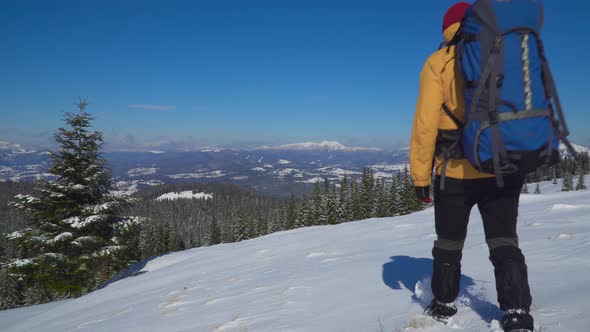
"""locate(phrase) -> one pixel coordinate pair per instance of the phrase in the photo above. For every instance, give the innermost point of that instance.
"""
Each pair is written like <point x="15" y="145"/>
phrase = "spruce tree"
<point x="381" y="200"/>
<point x="394" y="196"/>
<point x="10" y="293"/>
<point x="585" y="163"/>
<point x="409" y="202"/>
<point x="342" y="209"/>
<point x="322" y="204"/>
<point x="367" y="193"/>
<point x="525" y="188"/>
<point x="38" y="294"/>
<point x="291" y="215"/>
<point x="72" y="242"/>
<point x="332" y="198"/>
<point x="349" y="201"/>
<point x="215" y="232"/>
<point x="581" y="183"/>
<point x="302" y="212"/>
<point x="241" y="230"/>
<point x="356" y="202"/>
<point x="568" y="182"/>
<point x="315" y="207"/>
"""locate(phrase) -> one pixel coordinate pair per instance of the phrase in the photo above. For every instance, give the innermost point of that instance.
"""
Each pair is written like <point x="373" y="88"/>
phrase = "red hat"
<point x="455" y="14"/>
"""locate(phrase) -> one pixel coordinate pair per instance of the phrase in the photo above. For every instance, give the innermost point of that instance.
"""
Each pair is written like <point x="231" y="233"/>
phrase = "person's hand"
<point x="423" y="194"/>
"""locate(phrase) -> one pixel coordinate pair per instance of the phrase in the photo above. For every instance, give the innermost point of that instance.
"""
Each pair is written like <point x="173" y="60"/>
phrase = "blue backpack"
<point x="513" y="116"/>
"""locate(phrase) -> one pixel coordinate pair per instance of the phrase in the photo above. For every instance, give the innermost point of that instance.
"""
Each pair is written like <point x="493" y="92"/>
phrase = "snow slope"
<point x="350" y="277"/>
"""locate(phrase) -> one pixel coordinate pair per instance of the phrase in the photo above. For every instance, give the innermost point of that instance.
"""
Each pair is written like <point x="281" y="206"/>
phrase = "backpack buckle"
<point x="509" y="168"/>
<point x="497" y="46"/>
<point x="494" y="118"/>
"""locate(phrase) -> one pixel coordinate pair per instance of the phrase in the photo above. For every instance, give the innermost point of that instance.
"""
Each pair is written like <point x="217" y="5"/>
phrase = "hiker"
<point x="464" y="187"/>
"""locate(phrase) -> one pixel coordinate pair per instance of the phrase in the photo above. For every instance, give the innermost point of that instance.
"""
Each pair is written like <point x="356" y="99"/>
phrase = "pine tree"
<point x="302" y="214"/>
<point x="315" y="206"/>
<point x="409" y="202"/>
<point x="241" y="230"/>
<point x="349" y="201"/>
<point x="537" y="189"/>
<point x="38" y="294"/>
<point x="367" y="193"/>
<point x="10" y="294"/>
<point x="291" y="215"/>
<point x="161" y="236"/>
<point x="332" y="206"/>
<point x="322" y="204"/>
<point x="342" y="206"/>
<point x="568" y="182"/>
<point x="215" y="232"/>
<point x="585" y="164"/>
<point x="72" y="243"/>
<point x="356" y="202"/>
<point x="581" y="183"/>
<point x="525" y="188"/>
<point x="554" y="174"/>
<point x="381" y="200"/>
<point x="394" y="195"/>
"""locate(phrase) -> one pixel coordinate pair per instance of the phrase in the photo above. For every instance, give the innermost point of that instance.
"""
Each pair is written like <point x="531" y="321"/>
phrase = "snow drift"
<point x="360" y="276"/>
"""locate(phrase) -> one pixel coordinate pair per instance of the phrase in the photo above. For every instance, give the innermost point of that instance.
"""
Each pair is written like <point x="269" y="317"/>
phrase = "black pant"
<point x="499" y="211"/>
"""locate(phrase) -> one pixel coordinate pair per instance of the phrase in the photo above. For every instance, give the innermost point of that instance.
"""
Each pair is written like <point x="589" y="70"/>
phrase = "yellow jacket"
<point x="437" y="87"/>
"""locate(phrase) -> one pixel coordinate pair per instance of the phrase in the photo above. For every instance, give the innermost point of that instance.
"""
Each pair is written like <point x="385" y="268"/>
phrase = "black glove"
<point x="423" y="194"/>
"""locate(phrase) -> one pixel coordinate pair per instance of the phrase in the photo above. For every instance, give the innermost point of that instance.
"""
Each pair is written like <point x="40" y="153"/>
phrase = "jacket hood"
<point x="450" y="32"/>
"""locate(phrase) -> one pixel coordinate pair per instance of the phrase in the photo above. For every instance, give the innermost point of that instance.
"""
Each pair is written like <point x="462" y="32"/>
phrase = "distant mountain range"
<point x="277" y="170"/>
<point x="325" y="145"/>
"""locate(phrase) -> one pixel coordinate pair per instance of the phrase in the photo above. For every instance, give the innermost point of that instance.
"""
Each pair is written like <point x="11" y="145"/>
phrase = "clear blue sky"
<point x="244" y="72"/>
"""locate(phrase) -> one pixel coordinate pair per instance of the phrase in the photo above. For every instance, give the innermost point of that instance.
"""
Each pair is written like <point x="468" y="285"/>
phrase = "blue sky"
<point x="243" y="73"/>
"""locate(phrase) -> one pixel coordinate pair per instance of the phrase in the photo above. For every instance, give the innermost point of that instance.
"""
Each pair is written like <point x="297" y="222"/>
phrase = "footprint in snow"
<point x="566" y="207"/>
<point x="328" y="260"/>
<point x="235" y="324"/>
<point x="315" y="254"/>
<point x="92" y="322"/>
<point x="404" y="226"/>
<point x="170" y="305"/>
<point x="564" y="236"/>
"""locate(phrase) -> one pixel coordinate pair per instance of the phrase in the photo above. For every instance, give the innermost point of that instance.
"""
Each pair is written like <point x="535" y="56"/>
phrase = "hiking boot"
<point x="441" y="311"/>
<point x="517" y="320"/>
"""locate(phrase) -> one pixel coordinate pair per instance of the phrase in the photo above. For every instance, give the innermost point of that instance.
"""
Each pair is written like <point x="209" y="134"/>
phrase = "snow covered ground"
<point x="351" y="277"/>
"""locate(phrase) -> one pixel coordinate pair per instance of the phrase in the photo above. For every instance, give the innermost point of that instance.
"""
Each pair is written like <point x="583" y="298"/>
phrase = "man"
<point x="464" y="188"/>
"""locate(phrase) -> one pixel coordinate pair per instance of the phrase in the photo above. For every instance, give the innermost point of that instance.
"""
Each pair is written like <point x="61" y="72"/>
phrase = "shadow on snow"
<point x="403" y="272"/>
<point x="131" y="271"/>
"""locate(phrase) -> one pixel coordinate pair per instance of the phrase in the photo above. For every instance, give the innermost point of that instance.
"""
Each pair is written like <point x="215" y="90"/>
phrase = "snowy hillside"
<point x="351" y="277"/>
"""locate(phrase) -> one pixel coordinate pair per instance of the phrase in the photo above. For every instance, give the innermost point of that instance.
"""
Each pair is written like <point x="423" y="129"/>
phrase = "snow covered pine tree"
<point x="76" y="238"/>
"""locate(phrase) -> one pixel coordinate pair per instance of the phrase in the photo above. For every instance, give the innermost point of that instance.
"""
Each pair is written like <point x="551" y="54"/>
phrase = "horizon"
<point x="229" y="74"/>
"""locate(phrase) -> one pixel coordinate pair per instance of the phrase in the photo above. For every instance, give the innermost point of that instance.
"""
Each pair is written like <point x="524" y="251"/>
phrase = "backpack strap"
<point x="446" y="155"/>
<point x="491" y="80"/>
<point x="560" y="126"/>
<point x="453" y="117"/>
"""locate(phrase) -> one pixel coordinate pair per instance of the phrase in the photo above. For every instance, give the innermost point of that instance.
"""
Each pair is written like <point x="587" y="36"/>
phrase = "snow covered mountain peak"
<point x="324" y="145"/>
